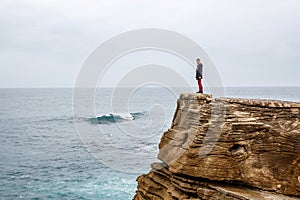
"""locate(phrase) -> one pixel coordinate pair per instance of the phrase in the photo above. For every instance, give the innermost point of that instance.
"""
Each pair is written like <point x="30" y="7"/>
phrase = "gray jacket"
<point x="199" y="71"/>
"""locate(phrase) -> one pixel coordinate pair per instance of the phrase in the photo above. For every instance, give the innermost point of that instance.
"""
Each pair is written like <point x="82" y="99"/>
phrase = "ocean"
<point x="43" y="157"/>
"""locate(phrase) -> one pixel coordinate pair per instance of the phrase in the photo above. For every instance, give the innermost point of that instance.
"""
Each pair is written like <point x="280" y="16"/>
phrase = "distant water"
<point x="42" y="156"/>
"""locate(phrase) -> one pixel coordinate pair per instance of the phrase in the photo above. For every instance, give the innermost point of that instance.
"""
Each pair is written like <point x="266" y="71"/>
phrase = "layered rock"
<point x="227" y="148"/>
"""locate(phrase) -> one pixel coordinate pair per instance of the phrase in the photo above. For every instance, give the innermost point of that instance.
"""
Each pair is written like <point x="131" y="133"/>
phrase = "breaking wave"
<point x="115" y="117"/>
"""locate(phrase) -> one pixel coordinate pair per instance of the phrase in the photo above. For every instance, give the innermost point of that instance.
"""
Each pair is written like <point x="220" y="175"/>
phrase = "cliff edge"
<point x="227" y="148"/>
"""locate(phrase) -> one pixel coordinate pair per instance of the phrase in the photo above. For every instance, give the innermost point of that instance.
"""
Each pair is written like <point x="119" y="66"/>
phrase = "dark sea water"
<point x="43" y="157"/>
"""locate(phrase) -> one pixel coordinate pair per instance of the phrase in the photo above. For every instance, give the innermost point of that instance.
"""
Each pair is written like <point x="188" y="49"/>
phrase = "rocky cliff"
<point x="227" y="148"/>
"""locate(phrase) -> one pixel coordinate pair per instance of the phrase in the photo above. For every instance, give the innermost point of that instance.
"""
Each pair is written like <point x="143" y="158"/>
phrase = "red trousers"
<point x="200" y="85"/>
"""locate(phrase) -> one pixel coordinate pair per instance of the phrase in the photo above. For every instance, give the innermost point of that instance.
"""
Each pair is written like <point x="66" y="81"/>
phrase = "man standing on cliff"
<point x="199" y="70"/>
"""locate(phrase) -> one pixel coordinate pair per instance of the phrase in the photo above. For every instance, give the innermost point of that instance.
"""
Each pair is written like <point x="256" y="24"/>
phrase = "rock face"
<point x="227" y="148"/>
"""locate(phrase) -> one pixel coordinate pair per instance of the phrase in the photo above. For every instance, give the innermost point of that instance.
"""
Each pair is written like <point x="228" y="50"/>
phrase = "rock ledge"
<point x="227" y="148"/>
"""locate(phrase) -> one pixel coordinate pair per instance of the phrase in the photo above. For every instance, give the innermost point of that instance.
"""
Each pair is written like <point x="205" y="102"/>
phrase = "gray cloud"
<point x="252" y="42"/>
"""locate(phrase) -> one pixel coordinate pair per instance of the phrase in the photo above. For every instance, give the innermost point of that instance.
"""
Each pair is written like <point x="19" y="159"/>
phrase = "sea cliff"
<point x="227" y="148"/>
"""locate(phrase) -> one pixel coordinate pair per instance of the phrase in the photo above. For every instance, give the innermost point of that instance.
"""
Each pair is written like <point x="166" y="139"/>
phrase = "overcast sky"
<point x="251" y="42"/>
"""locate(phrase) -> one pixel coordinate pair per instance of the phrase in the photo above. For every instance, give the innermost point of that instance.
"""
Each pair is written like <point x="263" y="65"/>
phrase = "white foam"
<point x="126" y="116"/>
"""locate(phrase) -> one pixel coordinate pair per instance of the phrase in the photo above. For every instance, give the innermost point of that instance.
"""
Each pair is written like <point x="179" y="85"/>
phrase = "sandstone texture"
<point x="227" y="148"/>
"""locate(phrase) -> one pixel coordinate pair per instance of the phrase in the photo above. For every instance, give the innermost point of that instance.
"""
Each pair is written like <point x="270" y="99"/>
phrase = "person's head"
<point x="198" y="61"/>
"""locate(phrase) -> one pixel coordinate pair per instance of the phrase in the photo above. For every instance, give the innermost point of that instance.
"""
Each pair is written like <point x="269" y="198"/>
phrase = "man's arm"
<point x="200" y="70"/>
<point x="198" y="75"/>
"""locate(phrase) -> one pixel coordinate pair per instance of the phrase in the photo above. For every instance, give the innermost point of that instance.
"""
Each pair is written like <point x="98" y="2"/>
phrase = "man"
<point x="199" y="75"/>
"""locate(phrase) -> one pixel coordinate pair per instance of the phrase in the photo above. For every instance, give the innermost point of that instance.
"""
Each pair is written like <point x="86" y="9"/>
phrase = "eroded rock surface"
<point x="227" y="148"/>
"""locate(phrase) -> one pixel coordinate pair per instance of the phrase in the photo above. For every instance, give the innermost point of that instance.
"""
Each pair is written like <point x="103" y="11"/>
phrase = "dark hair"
<point x="198" y="59"/>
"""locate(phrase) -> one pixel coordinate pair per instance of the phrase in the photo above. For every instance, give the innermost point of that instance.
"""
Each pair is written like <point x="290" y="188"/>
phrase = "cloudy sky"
<point x="43" y="43"/>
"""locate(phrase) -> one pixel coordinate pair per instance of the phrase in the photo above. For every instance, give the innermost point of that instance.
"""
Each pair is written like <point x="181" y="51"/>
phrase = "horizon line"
<point x="107" y="87"/>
